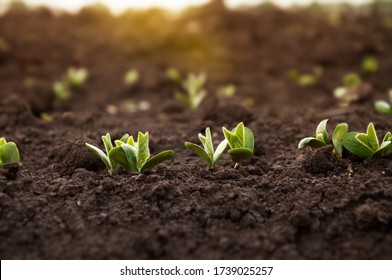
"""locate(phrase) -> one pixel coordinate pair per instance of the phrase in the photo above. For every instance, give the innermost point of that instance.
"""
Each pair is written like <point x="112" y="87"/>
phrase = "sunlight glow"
<point x="176" y="5"/>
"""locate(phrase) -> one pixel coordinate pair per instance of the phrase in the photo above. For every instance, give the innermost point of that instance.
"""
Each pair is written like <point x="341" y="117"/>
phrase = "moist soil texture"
<point x="283" y="203"/>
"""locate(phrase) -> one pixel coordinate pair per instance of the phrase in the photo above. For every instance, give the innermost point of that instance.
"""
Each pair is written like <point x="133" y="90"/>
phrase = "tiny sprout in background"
<point x="383" y="106"/>
<point x="61" y="91"/>
<point x="352" y="90"/>
<point x="366" y="145"/>
<point x="322" y="139"/>
<point x="195" y="93"/>
<point x="228" y="91"/>
<point x="369" y="65"/>
<point x="173" y="75"/>
<point x="135" y="156"/>
<point x="241" y="142"/>
<point x="9" y="152"/>
<point x="305" y="79"/>
<point x="207" y="152"/>
<point x="131" y="77"/>
<point x="76" y="77"/>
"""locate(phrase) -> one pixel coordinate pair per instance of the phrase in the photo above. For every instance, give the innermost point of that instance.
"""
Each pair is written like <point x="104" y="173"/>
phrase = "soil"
<point x="283" y="203"/>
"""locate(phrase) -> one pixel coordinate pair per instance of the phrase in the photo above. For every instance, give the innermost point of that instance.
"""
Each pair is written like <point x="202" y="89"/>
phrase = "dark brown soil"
<point x="284" y="203"/>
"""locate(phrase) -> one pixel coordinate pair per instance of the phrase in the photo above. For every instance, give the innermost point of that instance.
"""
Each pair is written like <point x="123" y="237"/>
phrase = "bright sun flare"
<point x="120" y="5"/>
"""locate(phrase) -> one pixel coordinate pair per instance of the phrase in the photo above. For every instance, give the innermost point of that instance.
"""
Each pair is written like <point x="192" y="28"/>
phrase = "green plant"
<point x="383" y="106"/>
<point x="9" y="152"/>
<point x="241" y="142"/>
<point x="105" y="157"/>
<point x="195" y="93"/>
<point x="348" y="93"/>
<point x="322" y="139"/>
<point x="228" y="91"/>
<point x="131" y="77"/>
<point x="207" y="152"/>
<point x="135" y="156"/>
<point x="61" y="91"/>
<point x="76" y="77"/>
<point x="369" y="65"/>
<point x="366" y="145"/>
<point x="305" y="79"/>
<point x="173" y="75"/>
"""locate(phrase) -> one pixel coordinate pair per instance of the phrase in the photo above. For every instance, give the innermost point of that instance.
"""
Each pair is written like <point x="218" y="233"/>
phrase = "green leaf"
<point x="218" y="152"/>
<point x="124" y="138"/>
<point x="249" y="139"/>
<point x="387" y="137"/>
<point x="9" y="153"/>
<point x="238" y="155"/>
<point x="230" y="137"/>
<point x="102" y="156"/>
<point x="107" y="141"/>
<point x="198" y="98"/>
<point x="143" y="152"/>
<point x="311" y="142"/>
<point x="337" y="137"/>
<point x="130" y="141"/>
<point x="383" y="107"/>
<point x="355" y="146"/>
<point x="384" y="150"/>
<point x="372" y="137"/>
<point x="157" y="159"/>
<point x="130" y="153"/>
<point x="200" y="152"/>
<point x="207" y="143"/>
<point x="118" y="155"/>
<point x="322" y="130"/>
<point x="236" y="137"/>
<point x="2" y="141"/>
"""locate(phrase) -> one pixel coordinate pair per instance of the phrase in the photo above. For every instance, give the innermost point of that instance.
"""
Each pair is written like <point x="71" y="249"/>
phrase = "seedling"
<point x="369" y="65"/>
<point x="241" y="142"/>
<point x="195" y="93"/>
<point x="383" y="106"/>
<point x="173" y="75"/>
<point x="131" y="77"/>
<point x="135" y="156"/>
<point x="61" y="91"/>
<point x="105" y="156"/>
<point x="366" y="145"/>
<point x="322" y="139"/>
<point x="207" y="152"/>
<point x="305" y="79"/>
<point x="348" y="93"/>
<point x="9" y="152"/>
<point x="228" y="91"/>
<point x="76" y="77"/>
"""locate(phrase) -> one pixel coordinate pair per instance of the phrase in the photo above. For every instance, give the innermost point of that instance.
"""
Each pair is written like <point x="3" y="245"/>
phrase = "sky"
<point x="119" y="5"/>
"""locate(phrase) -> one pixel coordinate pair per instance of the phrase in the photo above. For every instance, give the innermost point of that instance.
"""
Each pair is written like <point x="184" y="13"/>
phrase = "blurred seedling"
<point x="228" y="91"/>
<point x="9" y="152"/>
<point x="369" y="65"/>
<point x="194" y="91"/>
<point x="383" y="106"/>
<point x="173" y="75"/>
<point x="135" y="156"/>
<point x="61" y="91"/>
<point x="305" y="79"/>
<point x="352" y="90"/>
<point x="131" y="77"/>
<point x="241" y="142"/>
<point x="321" y="138"/>
<point x="76" y="77"/>
<point x="207" y="152"/>
<point x="366" y="145"/>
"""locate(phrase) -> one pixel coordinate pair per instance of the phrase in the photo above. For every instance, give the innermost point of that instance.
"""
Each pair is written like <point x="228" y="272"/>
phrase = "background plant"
<point x="194" y="91"/>
<point x="369" y="65"/>
<point x="241" y="142"/>
<point x="383" y="106"/>
<point x="207" y="152"/>
<point x="131" y="77"/>
<point x="74" y="79"/>
<point x="9" y="152"/>
<point x="347" y="93"/>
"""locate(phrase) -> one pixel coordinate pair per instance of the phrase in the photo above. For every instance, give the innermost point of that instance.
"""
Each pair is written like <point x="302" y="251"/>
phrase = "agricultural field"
<point x="68" y="79"/>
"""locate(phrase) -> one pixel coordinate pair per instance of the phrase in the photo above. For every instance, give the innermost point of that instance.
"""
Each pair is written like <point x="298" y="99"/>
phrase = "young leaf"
<point x="143" y="152"/>
<point x="207" y="143"/>
<point x="102" y="156"/>
<point x="218" y="152"/>
<point x="9" y="153"/>
<point x="130" y="153"/>
<point x="321" y="131"/>
<point x="238" y="155"/>
<point x="372" y="137"/>
<point x="355" y="146"/>
<point x="249" y="139"/>
<point x="337" y="137"/>
<point x="310" y="142"/>
<point x="107" y="141"/>
<point x="384" y="150"/>
<point x="118" y="155"/>
<point x="157" y="159"/>
<point x="2" y="141"/>
<point x="200" y="152"/>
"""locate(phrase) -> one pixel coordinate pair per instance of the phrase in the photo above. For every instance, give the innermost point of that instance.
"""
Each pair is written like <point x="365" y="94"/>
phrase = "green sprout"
<point x="195" y="93"/>
<point x="173" y="75"/>
<point x="131" y="77"/>
<point x="241" y="142"/>
<point x="369" y="65"/>
<point x="383" y="106"/>
<point x="321" y="138"/>
<point x="105" y="157"/>
<point x="9" y="152"/>
<point x="366" y="145"/>
<point x="76" y="77"/>
<point x="228" y="91"/>
<point x="135" y="156"/>
<point x="61" y="91"/>
<point x="207" y="152"/>
<point x="304" y="79"/>
<point x="347" y="93"/>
